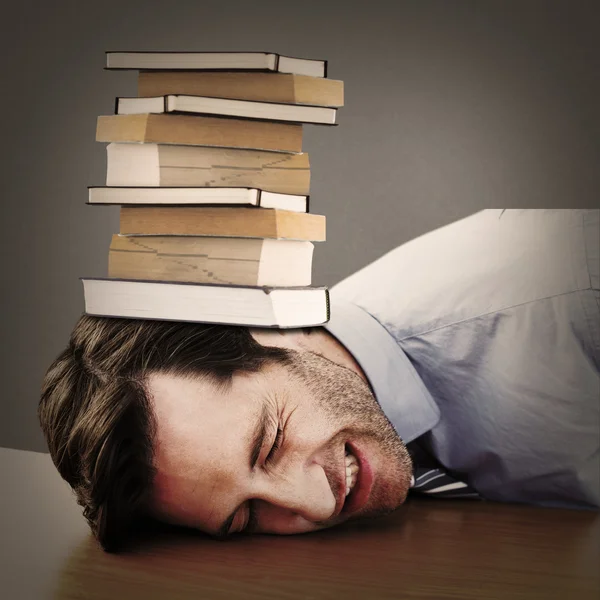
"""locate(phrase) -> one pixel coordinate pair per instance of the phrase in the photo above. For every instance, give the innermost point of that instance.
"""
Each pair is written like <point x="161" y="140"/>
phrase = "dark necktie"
<point x="430" y="477"/>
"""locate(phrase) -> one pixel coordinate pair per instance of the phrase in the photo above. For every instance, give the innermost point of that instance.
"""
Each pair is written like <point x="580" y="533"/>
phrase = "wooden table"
<point x="427" y="549"/>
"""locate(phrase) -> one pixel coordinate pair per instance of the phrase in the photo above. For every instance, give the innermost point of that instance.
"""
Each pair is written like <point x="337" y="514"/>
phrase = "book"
<point x="246" y="109"/>
<point x="264" y="87"/>
<point x="193" y="166"/>
<point x="222" y="221"/>
<point x="200" y="131"/>
<point x="216" y="61"/>
<point x="196" y="195"/>
<point x="206" y="303"/>
<point x="241" y="261"/>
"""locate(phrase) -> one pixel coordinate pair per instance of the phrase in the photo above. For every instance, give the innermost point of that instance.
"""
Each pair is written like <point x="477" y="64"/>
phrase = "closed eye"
<point x="276" y="445"/>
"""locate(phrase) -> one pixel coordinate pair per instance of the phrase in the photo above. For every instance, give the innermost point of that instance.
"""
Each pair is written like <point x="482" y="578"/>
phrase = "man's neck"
<point x="314" y="339"/>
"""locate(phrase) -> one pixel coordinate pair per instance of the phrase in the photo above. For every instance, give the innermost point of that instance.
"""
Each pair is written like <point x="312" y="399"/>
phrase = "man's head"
<point x="204" y="426"/>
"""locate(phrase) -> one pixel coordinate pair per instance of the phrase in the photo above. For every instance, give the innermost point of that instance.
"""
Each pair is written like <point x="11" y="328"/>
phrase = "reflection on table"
<point x="427" y="549"/>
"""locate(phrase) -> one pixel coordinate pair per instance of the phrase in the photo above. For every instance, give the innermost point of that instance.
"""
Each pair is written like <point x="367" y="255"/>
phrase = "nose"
<point x="302" y="492"/>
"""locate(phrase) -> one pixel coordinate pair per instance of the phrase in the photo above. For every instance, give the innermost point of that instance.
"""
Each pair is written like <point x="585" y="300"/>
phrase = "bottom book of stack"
<point x="207" y="303"/>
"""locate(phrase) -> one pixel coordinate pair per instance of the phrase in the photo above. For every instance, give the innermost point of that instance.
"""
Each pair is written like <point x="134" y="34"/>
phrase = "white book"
<point x="196" y="195"/>
<point x="246" y="109"/>
<point x="232" y="305"/>
<point x="216" y="61"/>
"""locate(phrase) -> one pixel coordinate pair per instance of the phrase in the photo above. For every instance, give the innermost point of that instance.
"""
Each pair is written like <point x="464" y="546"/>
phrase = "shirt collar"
<point x="397" y="386"/>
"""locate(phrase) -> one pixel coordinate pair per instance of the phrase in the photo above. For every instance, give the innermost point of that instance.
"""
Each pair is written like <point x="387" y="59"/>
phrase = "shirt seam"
<point x="585" y="251"/>
<point x="491" y="312"/>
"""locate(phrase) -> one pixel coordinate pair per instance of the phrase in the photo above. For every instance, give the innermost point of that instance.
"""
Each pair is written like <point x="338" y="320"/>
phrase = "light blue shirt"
<point x="484" y="337"/>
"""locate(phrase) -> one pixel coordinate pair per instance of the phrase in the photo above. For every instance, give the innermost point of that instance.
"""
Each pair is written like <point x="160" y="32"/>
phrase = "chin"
<point x="387" y="498"/>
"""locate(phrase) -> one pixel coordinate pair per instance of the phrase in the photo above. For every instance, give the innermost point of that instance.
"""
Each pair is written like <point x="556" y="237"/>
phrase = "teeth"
<point x="352" y="469"/>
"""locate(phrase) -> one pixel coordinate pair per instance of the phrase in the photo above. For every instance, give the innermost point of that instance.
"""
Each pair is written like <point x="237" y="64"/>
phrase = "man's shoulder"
<point x="485" y="263"/>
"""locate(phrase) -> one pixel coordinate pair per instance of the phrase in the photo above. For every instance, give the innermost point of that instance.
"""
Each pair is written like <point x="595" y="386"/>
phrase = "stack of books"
<point x="208" y="168"/>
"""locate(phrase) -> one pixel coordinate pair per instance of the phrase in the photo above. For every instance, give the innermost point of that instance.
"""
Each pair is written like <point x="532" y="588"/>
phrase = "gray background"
<point x="451" y="106"/>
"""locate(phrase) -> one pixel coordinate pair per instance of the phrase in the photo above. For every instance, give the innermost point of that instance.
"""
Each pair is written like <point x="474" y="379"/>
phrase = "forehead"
<point x="201" y="440"/>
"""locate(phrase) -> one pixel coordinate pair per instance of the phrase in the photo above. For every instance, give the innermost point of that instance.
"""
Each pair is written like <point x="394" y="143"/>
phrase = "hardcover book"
<point x="209" y="196"/>
<point x="216" y="61"/>
<point x="206" y="303"/>
<point x="246" y="109"/>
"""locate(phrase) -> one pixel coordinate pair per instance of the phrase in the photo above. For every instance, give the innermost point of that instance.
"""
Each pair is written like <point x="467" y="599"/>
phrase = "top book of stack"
<point x="217" y="61"/>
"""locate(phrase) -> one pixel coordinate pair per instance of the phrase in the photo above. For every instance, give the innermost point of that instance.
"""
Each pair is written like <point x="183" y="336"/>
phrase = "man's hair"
<point x="96" y="415"/>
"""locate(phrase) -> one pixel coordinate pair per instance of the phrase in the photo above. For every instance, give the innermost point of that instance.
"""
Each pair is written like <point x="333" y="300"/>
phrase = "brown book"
<point x="264" y="87"/>
<point x="222" y="221"/>
<point x="200" y="131"/>
<point x="168" y="165"/>
<point x="203" y="259"/>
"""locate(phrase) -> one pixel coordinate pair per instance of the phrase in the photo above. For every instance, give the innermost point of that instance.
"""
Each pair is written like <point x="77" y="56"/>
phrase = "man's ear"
<point x="292" y="339"/>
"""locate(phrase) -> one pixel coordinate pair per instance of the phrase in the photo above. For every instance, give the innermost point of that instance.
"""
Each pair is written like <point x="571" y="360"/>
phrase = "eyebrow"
<point x="258" y="440"/>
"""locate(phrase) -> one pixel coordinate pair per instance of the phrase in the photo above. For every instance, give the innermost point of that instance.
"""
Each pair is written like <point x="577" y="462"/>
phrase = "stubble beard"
<point x="349" y="405"/>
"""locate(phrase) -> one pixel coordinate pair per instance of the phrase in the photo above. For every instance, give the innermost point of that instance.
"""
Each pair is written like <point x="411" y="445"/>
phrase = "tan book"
<point x="200" y="131"/>
<point x="167" y="165"/>
<point x="239" y="261"/>
<point x="264" y="87"/>
<point x="222" y="221"/>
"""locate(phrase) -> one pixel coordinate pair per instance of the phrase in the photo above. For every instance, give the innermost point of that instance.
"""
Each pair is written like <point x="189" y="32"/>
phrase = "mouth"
<point x="359" y="480"/>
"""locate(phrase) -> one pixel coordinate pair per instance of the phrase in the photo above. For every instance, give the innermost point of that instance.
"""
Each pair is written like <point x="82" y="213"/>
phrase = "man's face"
<point x="269" y="452"/>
